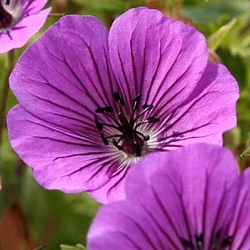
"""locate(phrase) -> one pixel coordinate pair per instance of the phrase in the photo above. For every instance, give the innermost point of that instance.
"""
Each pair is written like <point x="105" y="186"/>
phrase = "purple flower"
<point x="94" y="102"/>
<point x="191" y="199"/>
<point x="19" y="21"/>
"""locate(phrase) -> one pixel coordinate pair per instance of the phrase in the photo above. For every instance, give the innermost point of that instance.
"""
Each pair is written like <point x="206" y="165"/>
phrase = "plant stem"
<point x="5" y="91"/>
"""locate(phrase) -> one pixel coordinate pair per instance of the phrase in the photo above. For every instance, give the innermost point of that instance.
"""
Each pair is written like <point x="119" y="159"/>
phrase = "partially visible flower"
<point x="19" y="21"/>
<point x="189" y="199"/>
<point x="95" y="102"/>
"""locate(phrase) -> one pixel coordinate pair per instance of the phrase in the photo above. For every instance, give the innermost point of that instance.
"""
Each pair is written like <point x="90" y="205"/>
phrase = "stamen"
<point x="147" y="107"/>
<point x="118" y="99"/>
<point x="124" y="122"/>
<point x="187" y="244"/>
<point x="128" y="138"/>
<point x="145" y="137"/>
<point x="136" y="101"/>
<point x="217" y="242"/>
<point x="227" y="242"/>
<point x="107" y="109"/>
<point x="199" y="240"/>
<point x="152" y="119"/>
<point x="98" y="125"/>
<point x="105" y="141"/>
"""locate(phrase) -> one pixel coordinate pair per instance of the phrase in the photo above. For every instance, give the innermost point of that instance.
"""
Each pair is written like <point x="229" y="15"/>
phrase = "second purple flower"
<point x="93" y="102"/>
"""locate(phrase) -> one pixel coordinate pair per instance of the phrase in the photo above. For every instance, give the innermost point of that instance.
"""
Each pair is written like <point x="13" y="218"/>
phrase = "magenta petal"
<point x="190" y="183"/>
<point x="154" y="55"/>
<point x="240" y="224"/>
<point x="18" y="34"/>
<point x="207" y="113"/>
<point x="60" y="158"/>
<point x="172" y="199"/>
<point x="121" y="225"/>
<point x="34" y="6"/>
<point x="68" y="92"/>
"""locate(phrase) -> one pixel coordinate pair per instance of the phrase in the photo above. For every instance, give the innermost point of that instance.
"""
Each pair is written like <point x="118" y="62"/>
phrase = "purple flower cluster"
<point x="19" y="21"/>
<point x="94" y="103"/>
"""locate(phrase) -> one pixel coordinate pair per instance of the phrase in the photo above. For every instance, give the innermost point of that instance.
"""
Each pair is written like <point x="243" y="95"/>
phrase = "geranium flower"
<point x="19" y="21"/>
<point x="191" y="199"/>
<point x="93" y="102"/>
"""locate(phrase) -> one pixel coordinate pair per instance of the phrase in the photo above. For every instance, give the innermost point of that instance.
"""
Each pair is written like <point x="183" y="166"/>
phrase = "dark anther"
<point x="147" y="107"/>
<point x="7" y="2"/>
<point x="187" y="244"/>
<point x="152" y="119"/>
<point x="104" y="110"/>
<point x="136" y="101"/>
<point x="226" y="242"/>
<point x="118" y="99"/>
<point x="98" y="125"/>
<point x="124" y="132"/>
<point x="105" y="141"/>
<point x="216" y="238"/>
<point x="199" y="240"/>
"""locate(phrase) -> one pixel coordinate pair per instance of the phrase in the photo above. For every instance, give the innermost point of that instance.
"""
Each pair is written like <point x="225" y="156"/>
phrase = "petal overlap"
<point x="106" y="99"/>
<point x="192" y="198"/>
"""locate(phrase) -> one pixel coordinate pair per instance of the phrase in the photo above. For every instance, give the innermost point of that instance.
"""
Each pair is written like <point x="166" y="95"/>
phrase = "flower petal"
<point x="209" y="111"/>
<point x="19" y="34"/>
<point x="60" y="159"/>
<point x="121" y="225"/>
<point x="34" y="6"/>
<point x="171" y="197"/>
<point x="240" y="224"/>
<point x="190" y="184"/>
<point x="156" y="56"/>
<point x="65" y="78"/>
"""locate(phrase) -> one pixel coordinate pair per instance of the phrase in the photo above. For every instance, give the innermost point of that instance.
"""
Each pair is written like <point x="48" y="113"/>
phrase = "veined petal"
<point x="206" y="114"/>
<point x="240" y="224"/>
<point x="172" y="199"/>
<point x="23" y="31"/>
<point x="34" y="6"/>
<point x="60" y="158"/>
<point x="122" y="225"/>
<point x="31" y="20"/>
<point x="189" y="184"/>
<point x="155" y="55"/>
<point x="66" y="81"/>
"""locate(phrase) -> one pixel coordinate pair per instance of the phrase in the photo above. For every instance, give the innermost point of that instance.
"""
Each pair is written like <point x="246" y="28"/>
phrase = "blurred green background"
<point x="54" y="218"/>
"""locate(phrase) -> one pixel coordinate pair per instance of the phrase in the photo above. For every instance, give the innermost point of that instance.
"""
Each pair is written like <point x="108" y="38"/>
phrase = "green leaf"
<point x="216" y="38"/>
<point x="246" y="153"/>
<point x="77" y="247"/>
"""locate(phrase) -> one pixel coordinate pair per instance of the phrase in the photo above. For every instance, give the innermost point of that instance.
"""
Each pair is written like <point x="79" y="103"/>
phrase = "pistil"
<point x="127" y="138"/>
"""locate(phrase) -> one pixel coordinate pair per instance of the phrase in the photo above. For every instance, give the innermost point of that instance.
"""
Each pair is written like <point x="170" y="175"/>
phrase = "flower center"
<point x="218" y="242"/>
<point x="5" y="17"/>
<point x="126" y="134"/>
